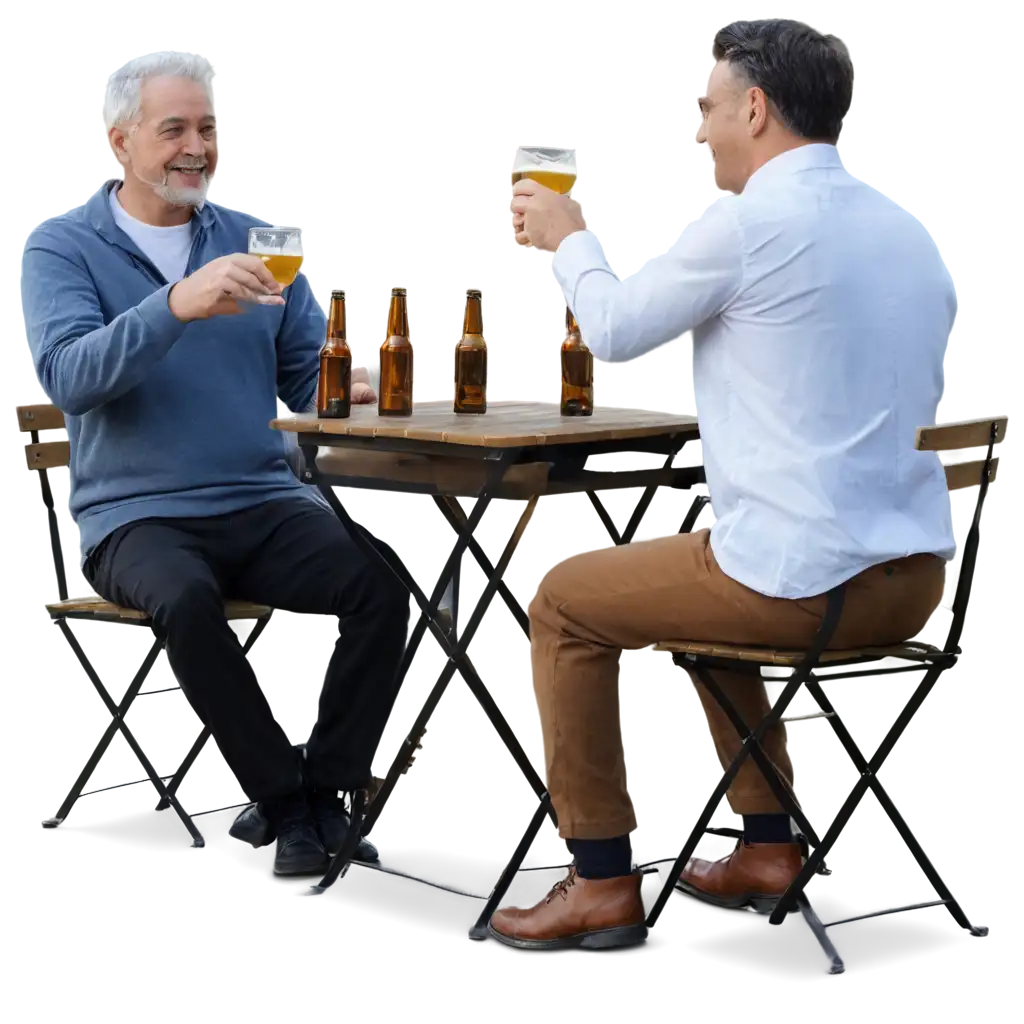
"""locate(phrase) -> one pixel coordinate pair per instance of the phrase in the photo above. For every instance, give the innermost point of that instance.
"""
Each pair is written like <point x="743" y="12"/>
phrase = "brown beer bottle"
<point x="471" y="359"/>
<point x="396" y="361"/>
<point x="334" y="392"/>
<point x="577" y="371"/>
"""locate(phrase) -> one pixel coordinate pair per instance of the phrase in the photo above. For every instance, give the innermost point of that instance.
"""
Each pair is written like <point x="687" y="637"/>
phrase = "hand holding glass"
<point x="280" y="249"/>
<point x="553" y="168"/>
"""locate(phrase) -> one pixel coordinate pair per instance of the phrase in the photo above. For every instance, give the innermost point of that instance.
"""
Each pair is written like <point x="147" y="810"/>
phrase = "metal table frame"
<point x="439" y="612"/>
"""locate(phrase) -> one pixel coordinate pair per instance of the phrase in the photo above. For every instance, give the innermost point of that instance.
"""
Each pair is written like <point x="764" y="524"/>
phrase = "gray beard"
<point x="179" y="196"/>
<point x="183" y="196"/>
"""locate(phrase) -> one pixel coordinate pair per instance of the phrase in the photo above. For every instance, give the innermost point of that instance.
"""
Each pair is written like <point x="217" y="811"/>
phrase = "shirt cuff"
<point x="578" y="254"/>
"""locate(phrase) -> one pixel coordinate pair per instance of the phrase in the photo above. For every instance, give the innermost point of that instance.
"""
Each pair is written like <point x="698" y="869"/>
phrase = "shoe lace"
<point x="562" y="888"/>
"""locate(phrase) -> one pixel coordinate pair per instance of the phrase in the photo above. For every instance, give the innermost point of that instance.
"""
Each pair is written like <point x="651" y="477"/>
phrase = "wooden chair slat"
<point x="39" y="417"/>
<point x="96" y="608"/>
<point x="967" y="434"/>
<point x="48" y="454"/>
<point x="968" y="474"/>
<point x="790" y="659"/>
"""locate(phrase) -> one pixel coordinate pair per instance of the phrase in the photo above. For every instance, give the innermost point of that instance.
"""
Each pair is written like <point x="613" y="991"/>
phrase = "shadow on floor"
<point x="895" y="950"/>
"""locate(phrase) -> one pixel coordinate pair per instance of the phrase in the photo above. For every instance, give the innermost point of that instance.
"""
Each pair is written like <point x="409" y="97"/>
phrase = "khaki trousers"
<point x="591" y="607"/>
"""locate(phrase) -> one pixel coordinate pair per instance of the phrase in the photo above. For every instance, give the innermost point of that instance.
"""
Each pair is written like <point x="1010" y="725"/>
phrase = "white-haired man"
<point x="182" y="493"/>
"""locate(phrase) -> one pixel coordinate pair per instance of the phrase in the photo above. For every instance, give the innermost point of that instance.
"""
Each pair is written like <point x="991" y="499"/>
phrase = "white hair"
<point x="123" y="100"/>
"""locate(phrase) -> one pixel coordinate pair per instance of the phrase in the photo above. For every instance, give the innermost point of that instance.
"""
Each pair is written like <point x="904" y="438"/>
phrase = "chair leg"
<point x="925" y="864"/>
<point x="869" y="775"/>
<point x="171" y="794"/>
<point x="818" y="930"/>
<point x="778" y="786"/>
<point x="829" y="622"/>
<point x="58" y="814"/>
<point x="185" y="816"/>
<point x="785" y="699"/>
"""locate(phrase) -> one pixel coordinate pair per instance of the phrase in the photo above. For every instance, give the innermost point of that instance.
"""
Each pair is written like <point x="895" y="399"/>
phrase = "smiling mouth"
<point x="189" y="170"/>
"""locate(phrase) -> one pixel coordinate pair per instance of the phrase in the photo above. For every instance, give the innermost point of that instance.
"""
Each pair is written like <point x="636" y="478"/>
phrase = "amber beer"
<point x="280" y="249"/>
<point x="283" y="268"/>
<point x="557" y="181"/>
<point x="577" y="371"/>
<point x="396" y="361"/>
<point x="553" y="168"/>
<point x="471" y="360"/>
<point x="334" y="392"/>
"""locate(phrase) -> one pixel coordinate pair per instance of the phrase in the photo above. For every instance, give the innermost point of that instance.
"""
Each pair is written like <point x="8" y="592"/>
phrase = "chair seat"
<point x="105" y="611"/>
<point x="911" y="651"/>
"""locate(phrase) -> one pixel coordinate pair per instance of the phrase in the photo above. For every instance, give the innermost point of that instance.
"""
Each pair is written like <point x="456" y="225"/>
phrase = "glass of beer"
<point x="553" y="168"/>
<point x="280" y="249"/>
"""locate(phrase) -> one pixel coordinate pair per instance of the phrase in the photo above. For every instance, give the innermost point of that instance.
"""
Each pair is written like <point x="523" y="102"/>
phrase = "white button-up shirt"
<point x="820" y="313"/>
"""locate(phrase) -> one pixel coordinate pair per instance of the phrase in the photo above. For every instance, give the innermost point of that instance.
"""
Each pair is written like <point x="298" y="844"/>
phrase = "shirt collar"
<point x="101" y="217"/>
<point x="814" y="155"/>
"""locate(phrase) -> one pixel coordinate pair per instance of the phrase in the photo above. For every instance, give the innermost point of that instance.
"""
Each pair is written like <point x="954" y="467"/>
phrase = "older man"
<point x="820" y="314"/>
<point x="166" y="346"/>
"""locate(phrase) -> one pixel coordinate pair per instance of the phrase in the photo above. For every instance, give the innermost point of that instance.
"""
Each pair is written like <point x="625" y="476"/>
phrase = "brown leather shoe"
<point x="753" y="875"/>
<point x="594" y="913"/>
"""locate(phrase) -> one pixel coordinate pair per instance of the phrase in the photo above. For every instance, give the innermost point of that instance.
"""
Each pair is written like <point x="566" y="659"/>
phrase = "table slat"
<point x="504" y="425"/>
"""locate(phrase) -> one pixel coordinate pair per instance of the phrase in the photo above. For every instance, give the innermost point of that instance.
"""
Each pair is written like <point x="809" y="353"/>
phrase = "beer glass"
<point x="280" y="249"/>
<point x="553" y="168"/>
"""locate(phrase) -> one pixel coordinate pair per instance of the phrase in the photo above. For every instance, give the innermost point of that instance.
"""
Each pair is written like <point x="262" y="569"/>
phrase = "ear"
<point x="117" y="139"/>
<point x="757" y="111"/>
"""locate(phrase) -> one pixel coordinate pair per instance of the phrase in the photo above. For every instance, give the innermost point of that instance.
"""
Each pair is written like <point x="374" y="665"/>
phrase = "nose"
<point x="702" y="135"/>
<point x="192" y="143"/>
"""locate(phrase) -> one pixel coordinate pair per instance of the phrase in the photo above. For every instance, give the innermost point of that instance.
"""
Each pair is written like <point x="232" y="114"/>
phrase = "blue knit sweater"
<point x="164" y="418"/>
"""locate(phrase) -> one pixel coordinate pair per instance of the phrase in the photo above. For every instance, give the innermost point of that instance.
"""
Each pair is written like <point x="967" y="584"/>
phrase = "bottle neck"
<point x="336" y="321"/>
<point x="398" y="320"/>
<point x="473" y="322"/>
<point x="573" y="338"/>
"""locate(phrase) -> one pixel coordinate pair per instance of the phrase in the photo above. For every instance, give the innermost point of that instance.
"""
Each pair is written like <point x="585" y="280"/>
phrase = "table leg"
<point x="443" y="628"/>
<point x="439" y="614"/>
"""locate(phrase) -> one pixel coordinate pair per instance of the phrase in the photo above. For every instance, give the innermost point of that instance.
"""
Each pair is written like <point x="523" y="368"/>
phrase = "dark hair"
<point x="806" y="75"/>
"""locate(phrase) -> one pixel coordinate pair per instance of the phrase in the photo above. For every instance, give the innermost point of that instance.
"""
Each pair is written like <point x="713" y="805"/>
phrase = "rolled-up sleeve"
<point x="671" y="294"/>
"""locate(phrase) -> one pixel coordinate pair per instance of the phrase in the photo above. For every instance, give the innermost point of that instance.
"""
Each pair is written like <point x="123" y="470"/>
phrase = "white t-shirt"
<point x="166" y="248"/>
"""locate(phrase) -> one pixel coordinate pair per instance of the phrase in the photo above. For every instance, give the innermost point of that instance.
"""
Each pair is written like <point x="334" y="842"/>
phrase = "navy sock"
<point x="602" y="858"/>
<point x="767" y="828"/>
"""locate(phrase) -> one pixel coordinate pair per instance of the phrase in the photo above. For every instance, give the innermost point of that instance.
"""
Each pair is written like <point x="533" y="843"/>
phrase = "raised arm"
<point x="670" y="295"/>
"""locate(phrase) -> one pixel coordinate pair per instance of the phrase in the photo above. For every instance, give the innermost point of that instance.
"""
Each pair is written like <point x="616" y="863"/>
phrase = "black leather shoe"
<point x="332" y="822"/>
<point x="299" y="849"/>
<point x="252" y="827"/>
<point x="332" y="813"/>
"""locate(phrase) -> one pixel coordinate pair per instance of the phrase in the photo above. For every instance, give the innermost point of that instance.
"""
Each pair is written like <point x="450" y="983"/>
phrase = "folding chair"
<point x="118" y="651"/>
<point x="932" y="661"/>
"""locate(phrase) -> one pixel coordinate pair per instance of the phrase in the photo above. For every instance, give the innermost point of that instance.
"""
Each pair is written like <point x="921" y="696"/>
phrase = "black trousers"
<point x="291" y="554"/>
